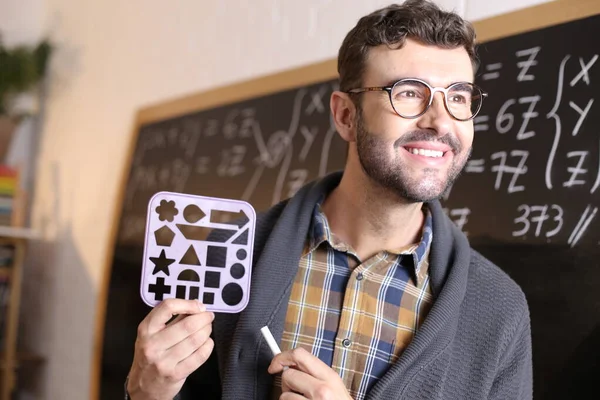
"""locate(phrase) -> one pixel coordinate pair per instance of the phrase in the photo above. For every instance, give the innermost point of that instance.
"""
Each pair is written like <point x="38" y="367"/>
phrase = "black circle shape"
<point x="237" y="271"/>
<point x="241" y="254"/>
<point x="232" y="294"/>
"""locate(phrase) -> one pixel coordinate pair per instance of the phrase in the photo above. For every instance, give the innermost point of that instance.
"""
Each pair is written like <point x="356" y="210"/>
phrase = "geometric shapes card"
<point x="198" y="247"/>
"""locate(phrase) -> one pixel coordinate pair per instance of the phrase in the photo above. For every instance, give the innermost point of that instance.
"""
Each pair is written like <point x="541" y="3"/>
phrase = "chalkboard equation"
<point x="261" y="151"/>
<point x="535" y="169"/>
<point x="536" y="150"/>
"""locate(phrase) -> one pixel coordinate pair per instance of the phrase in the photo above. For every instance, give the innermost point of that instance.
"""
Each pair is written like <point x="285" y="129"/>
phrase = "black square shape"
<point x="208" y="298"/>
<point x="216" y="256"/>
<point x="212" y="279"/>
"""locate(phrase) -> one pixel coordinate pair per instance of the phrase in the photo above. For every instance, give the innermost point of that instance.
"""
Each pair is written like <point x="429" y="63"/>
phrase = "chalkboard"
<point x="528" y="198"/>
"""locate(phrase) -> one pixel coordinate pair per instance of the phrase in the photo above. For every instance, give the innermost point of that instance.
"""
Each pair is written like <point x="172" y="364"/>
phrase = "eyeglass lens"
<point x="410" y="98"/>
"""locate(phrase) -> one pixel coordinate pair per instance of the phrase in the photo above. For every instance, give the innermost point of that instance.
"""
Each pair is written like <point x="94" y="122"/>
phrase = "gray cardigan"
<point x="474" y="344"/>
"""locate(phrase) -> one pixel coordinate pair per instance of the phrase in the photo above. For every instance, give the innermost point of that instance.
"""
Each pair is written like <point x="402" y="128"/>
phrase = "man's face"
<point x="420" y="158"/>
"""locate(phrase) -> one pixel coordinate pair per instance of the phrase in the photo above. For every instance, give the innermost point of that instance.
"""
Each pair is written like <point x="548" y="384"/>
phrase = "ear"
<point x="343" y="112"/>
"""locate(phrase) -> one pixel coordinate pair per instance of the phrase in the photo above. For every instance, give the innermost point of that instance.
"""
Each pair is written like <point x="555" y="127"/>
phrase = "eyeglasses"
<point x="411" y="98"/>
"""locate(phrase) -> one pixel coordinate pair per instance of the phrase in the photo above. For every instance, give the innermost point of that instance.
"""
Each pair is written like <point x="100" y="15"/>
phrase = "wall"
<point x="21" y="21"/>
<point x="112" y="58"/>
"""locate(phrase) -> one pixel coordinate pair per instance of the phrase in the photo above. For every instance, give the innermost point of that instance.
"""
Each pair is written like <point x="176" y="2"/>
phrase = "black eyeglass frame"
<point x="432" y="92"/>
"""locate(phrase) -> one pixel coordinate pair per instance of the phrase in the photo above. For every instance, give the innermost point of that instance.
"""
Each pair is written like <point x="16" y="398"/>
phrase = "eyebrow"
<point x="391" y="83"/>
<point x="463" y="87"/>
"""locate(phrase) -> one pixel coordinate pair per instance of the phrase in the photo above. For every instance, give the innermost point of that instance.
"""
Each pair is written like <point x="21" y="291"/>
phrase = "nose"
<point x="437" y="117"/>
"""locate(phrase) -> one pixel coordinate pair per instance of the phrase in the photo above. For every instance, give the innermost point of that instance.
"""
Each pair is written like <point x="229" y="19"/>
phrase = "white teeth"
<point x="426" y="153"/>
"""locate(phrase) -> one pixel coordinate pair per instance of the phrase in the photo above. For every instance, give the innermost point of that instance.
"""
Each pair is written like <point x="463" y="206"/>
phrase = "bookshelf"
<point x="14" y="239"/>
<point x="11" y="276"/>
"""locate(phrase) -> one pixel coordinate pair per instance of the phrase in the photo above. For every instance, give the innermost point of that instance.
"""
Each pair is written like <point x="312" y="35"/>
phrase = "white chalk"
<point x="270" y="340"/>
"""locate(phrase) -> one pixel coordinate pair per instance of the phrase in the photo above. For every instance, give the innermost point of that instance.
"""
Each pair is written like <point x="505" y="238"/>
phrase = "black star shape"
<point x="161" y="263"/>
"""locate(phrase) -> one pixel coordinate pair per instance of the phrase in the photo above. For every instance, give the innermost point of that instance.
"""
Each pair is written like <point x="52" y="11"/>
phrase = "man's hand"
<point x="166" y="354"/>
<point x="307" y="378"/>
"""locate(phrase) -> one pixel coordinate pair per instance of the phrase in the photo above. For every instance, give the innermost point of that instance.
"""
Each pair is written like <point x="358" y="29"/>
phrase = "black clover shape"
<point x="167" y="210"/>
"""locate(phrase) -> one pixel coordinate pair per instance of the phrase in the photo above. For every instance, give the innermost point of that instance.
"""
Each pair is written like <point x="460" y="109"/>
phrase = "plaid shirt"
<point x="357" y="317"/>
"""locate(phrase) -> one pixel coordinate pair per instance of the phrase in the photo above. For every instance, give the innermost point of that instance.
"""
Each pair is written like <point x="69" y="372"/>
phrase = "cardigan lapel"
<point x="449" y="264"/>
<point x="272" y="277"/>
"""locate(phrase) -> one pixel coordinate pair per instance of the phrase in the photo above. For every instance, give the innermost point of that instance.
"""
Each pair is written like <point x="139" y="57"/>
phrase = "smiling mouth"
<point x="425" y="152"/>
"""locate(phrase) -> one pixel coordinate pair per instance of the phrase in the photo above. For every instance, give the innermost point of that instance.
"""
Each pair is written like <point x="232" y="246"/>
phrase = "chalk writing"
<point x="525" y="65"/>
<point x="502" y="168"/>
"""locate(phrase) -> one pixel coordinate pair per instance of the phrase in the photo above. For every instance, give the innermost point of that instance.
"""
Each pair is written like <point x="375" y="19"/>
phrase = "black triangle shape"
<point x="190" y="257"/>
<point x="242" y="239"/>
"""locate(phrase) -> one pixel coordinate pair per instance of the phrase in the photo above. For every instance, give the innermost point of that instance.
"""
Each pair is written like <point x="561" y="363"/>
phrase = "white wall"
<point x="480" y="9"/>
<point x="112" y="58"/>
<point x="21" y="21"/>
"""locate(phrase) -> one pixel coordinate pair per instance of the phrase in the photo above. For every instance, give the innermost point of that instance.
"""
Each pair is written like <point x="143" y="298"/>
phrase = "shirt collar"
<point x="417" y="253"/>
<point x="319" y="229"/>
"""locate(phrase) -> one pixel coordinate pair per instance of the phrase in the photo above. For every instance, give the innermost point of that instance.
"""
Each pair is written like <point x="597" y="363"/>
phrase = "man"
<point x="370" y="289"/>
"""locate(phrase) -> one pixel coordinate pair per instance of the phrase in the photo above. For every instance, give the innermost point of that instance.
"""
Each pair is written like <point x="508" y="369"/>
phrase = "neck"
<point x="370" y="218"/>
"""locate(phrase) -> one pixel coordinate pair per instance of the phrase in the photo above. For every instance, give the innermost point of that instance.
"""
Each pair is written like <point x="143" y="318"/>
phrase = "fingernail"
<point x="201" y="306"/>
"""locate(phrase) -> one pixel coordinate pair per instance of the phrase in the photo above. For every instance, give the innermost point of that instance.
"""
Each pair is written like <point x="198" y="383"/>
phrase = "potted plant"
<point x="21" y="70"/>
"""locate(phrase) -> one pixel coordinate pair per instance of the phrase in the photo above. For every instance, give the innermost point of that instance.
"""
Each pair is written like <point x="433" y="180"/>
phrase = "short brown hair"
<point x="420" y="20"/>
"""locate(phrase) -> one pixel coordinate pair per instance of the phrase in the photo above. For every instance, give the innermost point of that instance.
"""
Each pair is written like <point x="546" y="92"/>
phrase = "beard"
<point x="395" y="176"/>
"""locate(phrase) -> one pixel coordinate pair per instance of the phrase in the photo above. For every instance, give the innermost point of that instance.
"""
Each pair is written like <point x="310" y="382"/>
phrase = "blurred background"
<point x="73" y="75"/>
